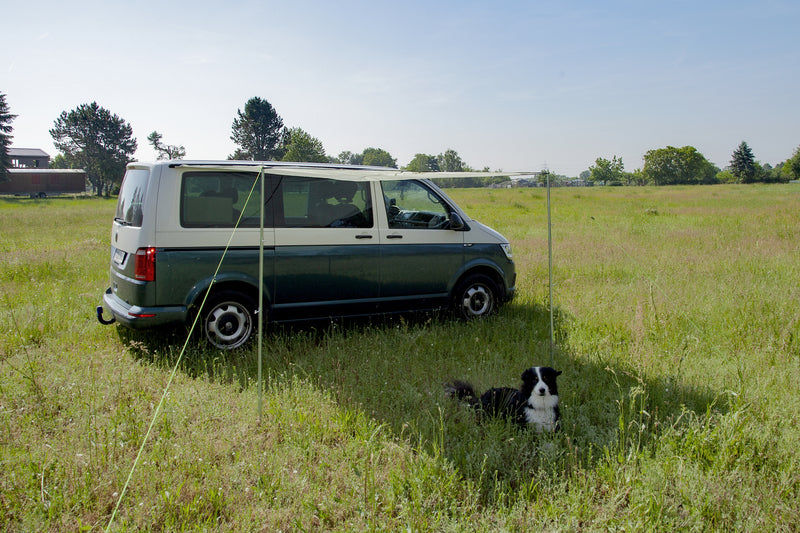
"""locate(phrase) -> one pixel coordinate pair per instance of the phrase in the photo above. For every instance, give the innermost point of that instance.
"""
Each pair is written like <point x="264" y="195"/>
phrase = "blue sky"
<point x="509" y="85"/>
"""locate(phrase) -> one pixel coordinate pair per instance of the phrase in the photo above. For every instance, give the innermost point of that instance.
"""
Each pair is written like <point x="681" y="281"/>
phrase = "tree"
<point x="450" y="161"/>
<point x="304" y="147"/>
<point x="239" y="155"/>
<point x="423" y="163"/>
<point x="672" y="166"/>
<point x="93" y="138"/>
<point x="59" y="161"/>
<point x="378" y="157"/>
<point x="791" y="168"/>
<point x="349" y="158"/>
<point x="5" y="137"/>
<point x="724" y="176"/>
<point x="605" y="171"/>
<point x="743" y="164"/>
<point x="778" y="173"/>
<point x="259" y="132"/>
<point x="637" y="177"/>
<point x="165" y="151"/>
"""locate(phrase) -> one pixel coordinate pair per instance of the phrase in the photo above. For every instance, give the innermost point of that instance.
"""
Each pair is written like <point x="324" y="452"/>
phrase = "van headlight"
<point x="507" y="250"/>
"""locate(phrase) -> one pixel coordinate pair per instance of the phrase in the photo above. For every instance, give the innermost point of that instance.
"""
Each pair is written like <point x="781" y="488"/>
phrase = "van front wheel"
<point x="476" y="296"/>
<point x="228" y="323"/>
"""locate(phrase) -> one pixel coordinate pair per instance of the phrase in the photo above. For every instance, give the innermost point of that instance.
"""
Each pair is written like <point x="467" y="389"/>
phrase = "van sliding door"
<point x="326" y="248"/>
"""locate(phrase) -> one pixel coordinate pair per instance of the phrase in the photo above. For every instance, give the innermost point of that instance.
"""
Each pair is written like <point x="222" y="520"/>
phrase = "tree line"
<point x="687" y="166"/>
<point x="94" y="139"/>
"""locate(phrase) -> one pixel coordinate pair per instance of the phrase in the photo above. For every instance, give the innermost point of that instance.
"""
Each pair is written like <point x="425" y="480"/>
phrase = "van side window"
<point x="218" y="199"/>
<point x="411" y="205"/>
<point x="323" y="203"/>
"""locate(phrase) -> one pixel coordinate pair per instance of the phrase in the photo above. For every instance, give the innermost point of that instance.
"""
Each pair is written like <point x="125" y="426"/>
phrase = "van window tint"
<point x="130" y="209"/>
<point x="219" y="199"/>
<point x="411" y="205"/>
<point x="323" y="203"/>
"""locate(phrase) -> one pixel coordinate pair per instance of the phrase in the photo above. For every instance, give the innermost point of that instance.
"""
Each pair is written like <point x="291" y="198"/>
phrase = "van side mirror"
<point x="456" y="222"/>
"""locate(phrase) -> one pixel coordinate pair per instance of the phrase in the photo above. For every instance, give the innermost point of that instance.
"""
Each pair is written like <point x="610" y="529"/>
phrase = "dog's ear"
<point x="558" y="372"/>
<point x="528" y="375"/>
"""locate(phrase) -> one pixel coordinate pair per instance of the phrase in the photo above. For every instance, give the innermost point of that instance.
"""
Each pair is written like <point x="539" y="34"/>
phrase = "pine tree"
<point x="5" y="137"/>
<point x="259" y="132"/>
<point x="743" y="164"/>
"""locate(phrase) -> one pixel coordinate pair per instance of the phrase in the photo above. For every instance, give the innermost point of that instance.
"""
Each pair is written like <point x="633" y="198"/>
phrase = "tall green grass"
<point x="677" y="325"/>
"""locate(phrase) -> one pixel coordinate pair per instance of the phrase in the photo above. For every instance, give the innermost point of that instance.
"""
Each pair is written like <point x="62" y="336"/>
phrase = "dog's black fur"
<point x="534" y="404"/>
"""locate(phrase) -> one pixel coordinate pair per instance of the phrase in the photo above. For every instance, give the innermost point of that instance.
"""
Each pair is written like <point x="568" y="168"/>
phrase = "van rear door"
<point x="132" y="235"/>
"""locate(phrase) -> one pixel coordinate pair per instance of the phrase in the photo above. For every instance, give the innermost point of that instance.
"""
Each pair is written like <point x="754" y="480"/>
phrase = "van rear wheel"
<point x="476" y="296"/>
<point x="228" y="321"/>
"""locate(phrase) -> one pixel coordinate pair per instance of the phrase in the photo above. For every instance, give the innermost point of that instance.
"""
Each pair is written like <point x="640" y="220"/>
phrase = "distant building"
<point x="28" y="158"/>
<point x="30" y="175"/>
<point x="41" y="183"/>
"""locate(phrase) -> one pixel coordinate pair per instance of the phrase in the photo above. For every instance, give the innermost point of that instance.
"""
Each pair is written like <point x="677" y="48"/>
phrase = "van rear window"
<point x="130" y="204"/>
<point x="220" y="200"/>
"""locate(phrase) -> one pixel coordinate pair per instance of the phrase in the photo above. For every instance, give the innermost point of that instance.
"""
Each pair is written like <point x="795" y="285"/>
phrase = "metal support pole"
<point x="260" y="293"/>
<point x="550" y="272"/>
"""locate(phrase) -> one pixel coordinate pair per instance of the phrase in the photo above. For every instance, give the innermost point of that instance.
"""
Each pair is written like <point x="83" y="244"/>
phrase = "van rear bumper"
<point x="134" y="316"/>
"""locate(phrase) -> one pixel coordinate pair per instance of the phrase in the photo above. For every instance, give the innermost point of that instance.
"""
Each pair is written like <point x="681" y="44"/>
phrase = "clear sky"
<point x="511" y="85"/>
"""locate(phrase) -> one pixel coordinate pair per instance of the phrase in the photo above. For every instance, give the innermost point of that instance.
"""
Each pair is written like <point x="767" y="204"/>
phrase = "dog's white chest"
<point x="540" y="412"/>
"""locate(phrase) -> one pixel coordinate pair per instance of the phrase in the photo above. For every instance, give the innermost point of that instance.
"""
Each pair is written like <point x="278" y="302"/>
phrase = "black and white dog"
<point x="534" y="404"/>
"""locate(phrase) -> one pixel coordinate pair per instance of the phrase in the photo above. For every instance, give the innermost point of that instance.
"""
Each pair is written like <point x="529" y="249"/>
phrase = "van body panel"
<point x="492" y="257"/>
<point x="331" y="272"/>
<point x="183" y="274"/>
<point x="128" y="289"/>
<point x="197" y="238"/>
<point x="325" y="281"/>
<point x="419" y="269"/>
<point x="332" y="246"/>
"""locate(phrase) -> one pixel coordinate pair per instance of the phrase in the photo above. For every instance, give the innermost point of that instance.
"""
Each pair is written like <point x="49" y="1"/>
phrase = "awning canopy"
<point x="336" y="172"/>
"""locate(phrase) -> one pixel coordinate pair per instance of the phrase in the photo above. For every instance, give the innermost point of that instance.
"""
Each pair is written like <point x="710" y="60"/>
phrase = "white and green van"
<point x="337" y="241"/>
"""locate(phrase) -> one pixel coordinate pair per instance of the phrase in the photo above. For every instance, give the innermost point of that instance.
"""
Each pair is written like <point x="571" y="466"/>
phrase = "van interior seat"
<point x="332" y="206"/>
<point x="226" y="193"/>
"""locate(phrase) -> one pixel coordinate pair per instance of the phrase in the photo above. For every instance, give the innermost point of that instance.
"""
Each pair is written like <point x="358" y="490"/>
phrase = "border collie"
<point x="534" y="404"/>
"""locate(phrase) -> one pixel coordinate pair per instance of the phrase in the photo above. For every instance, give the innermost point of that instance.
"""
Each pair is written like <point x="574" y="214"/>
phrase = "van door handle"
<point x="394" y="236"/>
<point x="364" y="236"/>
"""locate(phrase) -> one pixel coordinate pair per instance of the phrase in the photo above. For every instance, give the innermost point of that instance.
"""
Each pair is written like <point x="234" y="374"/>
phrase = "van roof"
<point x="320" y="170"/>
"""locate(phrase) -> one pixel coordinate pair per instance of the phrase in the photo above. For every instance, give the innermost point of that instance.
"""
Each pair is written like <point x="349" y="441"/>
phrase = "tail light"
<point x="144" y="268"/>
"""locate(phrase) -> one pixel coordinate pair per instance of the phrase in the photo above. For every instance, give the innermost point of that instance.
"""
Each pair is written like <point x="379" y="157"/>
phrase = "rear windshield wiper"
<point x="121" y="221"/>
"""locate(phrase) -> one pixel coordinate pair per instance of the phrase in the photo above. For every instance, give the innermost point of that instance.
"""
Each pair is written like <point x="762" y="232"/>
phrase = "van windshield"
<point x="131" y="197"/>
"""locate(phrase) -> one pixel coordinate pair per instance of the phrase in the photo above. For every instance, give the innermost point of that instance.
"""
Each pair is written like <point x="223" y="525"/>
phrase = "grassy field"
<point x="677" y="328"/>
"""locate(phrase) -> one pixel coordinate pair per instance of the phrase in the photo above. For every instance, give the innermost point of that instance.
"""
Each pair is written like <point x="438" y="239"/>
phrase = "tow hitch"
<point x="102" y="320"/>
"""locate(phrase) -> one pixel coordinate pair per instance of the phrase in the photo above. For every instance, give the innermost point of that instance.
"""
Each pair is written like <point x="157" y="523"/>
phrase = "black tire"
<point x="476" y="296"/>
<point x="228" y="320"/>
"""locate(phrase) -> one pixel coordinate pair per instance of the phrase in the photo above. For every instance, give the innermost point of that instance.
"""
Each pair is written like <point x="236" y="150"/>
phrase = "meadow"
<point x="677" y="328"/>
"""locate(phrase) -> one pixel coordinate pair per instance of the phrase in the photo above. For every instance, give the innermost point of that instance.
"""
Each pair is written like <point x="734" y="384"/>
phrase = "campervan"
<point x="189" y="239"/>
